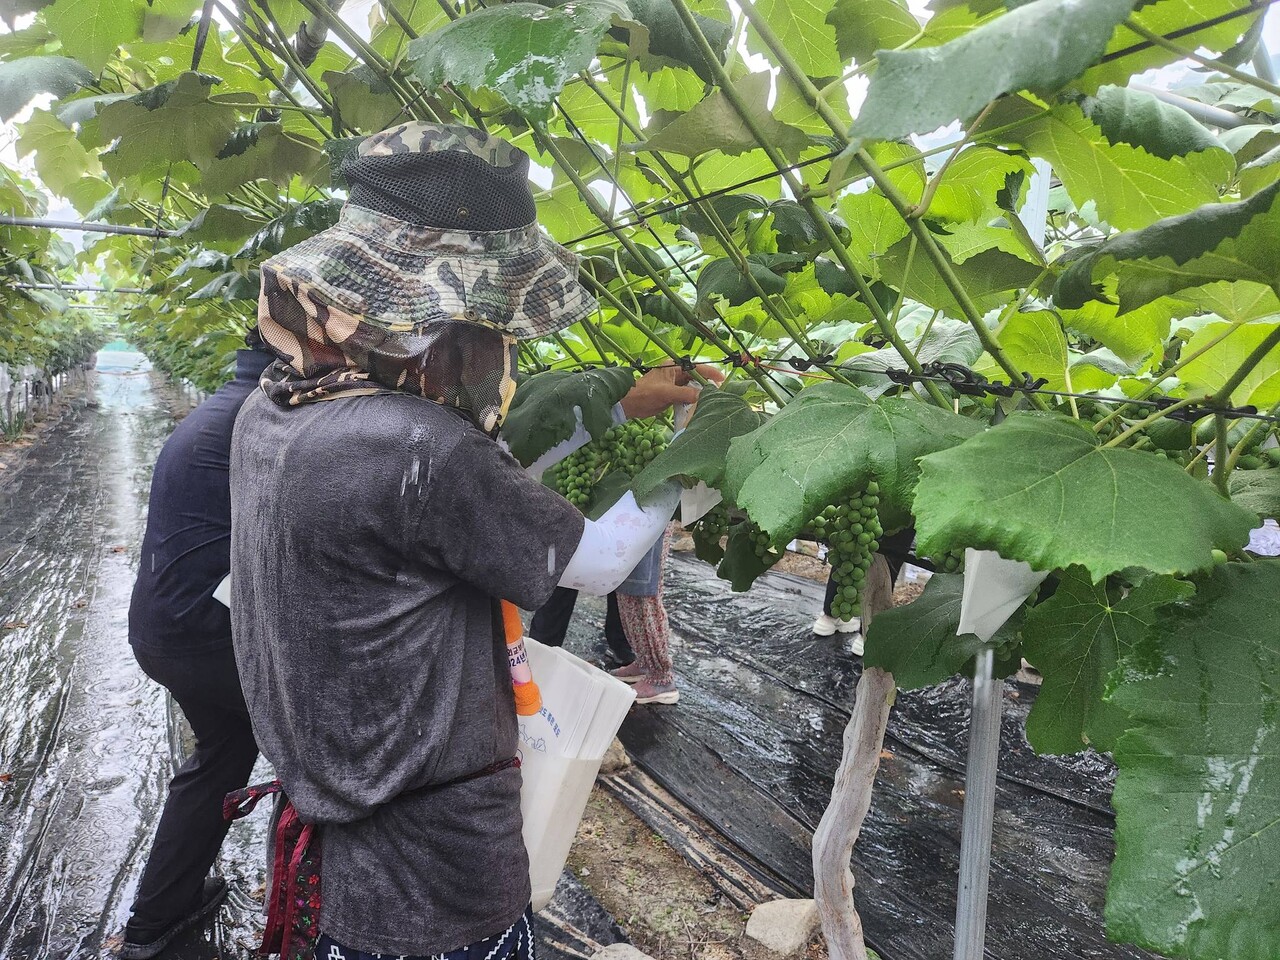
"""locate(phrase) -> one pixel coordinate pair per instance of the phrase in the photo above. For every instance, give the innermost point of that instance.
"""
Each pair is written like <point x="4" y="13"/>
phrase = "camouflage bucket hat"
<point x="440" y="226"/>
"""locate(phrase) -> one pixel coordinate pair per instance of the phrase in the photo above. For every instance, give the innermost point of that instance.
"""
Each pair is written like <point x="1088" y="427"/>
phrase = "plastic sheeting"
<point x="753" y="745"/>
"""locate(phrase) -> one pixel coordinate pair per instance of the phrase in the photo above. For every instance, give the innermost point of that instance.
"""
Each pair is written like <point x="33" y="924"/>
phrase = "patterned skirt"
<point x="514" y="943"/>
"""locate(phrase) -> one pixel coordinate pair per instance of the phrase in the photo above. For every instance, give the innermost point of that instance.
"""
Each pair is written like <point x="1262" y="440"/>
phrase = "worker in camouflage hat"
<point x="439" y="237"/>
<point x="375" y="530"/>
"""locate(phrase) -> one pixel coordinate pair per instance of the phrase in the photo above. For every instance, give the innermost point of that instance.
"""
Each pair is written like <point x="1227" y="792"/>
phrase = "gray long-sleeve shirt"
<point x="371" y="537"/>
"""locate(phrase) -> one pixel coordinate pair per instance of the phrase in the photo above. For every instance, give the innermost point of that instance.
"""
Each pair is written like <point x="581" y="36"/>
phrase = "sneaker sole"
<point x="824" y="632"/>
<point x="145" y="951"/>
<point x="672" y="697"/>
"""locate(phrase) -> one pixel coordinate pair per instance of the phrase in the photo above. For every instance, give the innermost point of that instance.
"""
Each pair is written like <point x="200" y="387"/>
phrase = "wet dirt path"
<point x="83" y="734"/>
<point x="87" y="742"/>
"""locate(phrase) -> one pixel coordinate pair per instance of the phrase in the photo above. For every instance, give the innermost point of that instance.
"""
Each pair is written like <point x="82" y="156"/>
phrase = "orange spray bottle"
<point x="528" y="697"/>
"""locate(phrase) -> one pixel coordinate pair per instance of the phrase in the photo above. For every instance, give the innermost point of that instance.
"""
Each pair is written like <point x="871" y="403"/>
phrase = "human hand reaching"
<point x="663" y="387"/>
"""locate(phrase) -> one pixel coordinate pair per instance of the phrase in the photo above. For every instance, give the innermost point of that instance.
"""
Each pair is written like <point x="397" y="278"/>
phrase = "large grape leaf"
<point x="1238" y="301"/>
<point x="364" y="100"/>
<point x="1197" y="797"/>
<point x="715" y="124"/>
<point x="874" y="227"/>
<point x="1257" y="490"/>
<point x="21" y="81"/>
<point x="92" y="30"/>
<point x="542" y="412"/>
<point x="970" y="184"/>
<point x="802" y="27"/>
<point x="1211" y="370"/>
<point x="918" y="643"/>
<point x="1165" y="17"/>
<point x="1220" y="241"/>
<point x="174" y="121"/>
<point x="865" y="26"/>
<point x="699" y="452"/>
<point x="1041" y="489"/>
<point x="1135" y="336"/>
<point x="828" y="442"/>
<point x="262" y="151"/>
<point x="1140" y="119"/>
<point x="1076" y="639"/>
<point x="1040" y="46"/>
<point x="522" y="51"/>
<point x="985" y="275"/>
<point x="61" y="160"/>
<point x="1130" y="186"/>
<point x="1034" y="342"/>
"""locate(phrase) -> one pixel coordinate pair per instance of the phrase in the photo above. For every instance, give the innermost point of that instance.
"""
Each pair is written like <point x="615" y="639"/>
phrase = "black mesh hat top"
<point x="453" y="191"/>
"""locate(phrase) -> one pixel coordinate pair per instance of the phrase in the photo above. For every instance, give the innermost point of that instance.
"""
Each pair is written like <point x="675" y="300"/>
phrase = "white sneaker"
<point x="826" y="625"/>
<point x="856" y="644"/>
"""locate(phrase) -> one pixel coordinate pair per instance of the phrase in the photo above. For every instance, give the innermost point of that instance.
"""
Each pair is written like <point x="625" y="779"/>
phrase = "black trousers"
<point x="895" y="549"/>
<point x="191" y="828"/>
<point x="550" y="623"/>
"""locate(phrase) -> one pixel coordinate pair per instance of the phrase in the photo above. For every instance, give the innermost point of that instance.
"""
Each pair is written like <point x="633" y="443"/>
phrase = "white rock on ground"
<point x="620" y="951"/>
<point x="784" y="926"/>
<point x="615" y="758"/>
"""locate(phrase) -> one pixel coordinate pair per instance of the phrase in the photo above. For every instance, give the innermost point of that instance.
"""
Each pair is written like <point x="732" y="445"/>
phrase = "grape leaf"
<point x="740" y="564"/>
<point x="829" y="442"/>
<point x="1164" y="17"/>
<point x="92" y="30"/>
<point x="262" y="151"/>
<point x="1135" y="336"/>
<point x="1034" y="342"/>
<point x="542" y="412"/>
<point x="1197" y="797"/>
<point x="1141" y="120"/>
<point x="1040" y="46"/>
<point x="699" y="452"/>
<point x="918" y="643"/>
<point x="715" y="124"/>
<point x="865" y="26"/>
<point x="984" y="275"/>
<point x="222" y="224"/>
<point x="1076" y="639"/>
<point x="1238" y="301"/>
<point x="969" y="186"/>
<point x="803" y="29"/>
<point x="1211" y="370"/>
<point x="874" y="227"/>
<point x="297" y="222"/>
<point x="1220" y="241"/>
<point x="1257" y="490"/>
<point x="165" y="19"/>
<point x="522" y="51"/>
<point x="21" y="81"/>
<point x="174" y="121"/>
<point x="1057" y="498"/>
<point x="61" y="160"/>
<point x="1130" y="186"/>
<point x="363" y="99"/>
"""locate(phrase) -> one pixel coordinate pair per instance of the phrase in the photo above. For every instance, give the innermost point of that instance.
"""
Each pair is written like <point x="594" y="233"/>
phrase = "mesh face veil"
<point x="328" y="353"/>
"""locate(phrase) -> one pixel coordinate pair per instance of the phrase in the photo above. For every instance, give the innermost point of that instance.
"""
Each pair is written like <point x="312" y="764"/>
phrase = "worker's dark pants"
<point x="895" y="549"/>
<point x="191" y="829"/>
<point x="551" y="622"/>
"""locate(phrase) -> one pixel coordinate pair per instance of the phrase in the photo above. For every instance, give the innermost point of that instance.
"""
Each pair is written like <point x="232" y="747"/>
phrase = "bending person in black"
<point x="181" y="637"/>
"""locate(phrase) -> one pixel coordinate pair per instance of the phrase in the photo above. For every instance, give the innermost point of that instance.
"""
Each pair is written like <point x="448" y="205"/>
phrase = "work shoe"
<point x="649" y="692"/>
<point x="826" y="625"/>
<point x="215" y="891"/>
<point x="631" y="673"/>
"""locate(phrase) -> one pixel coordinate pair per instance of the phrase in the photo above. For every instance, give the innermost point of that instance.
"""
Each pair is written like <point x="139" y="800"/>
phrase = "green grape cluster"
<point x="626" y="448"/>
<point x="852" y="531"/>
<point x="711" y="526"/>
<point x="634" y="444"/>
<point x="576" y="476"/>
<point x="1260" y="460"/>
<point x="761" y="543"/>
<point x="950" y="562"/>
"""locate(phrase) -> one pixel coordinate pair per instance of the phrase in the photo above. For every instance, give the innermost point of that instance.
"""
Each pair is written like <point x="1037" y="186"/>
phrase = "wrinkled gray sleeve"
<point x="491" y="524"/>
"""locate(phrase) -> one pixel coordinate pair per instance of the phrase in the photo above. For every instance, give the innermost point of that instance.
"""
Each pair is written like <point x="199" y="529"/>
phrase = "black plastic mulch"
<point x="754" y="743"/>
